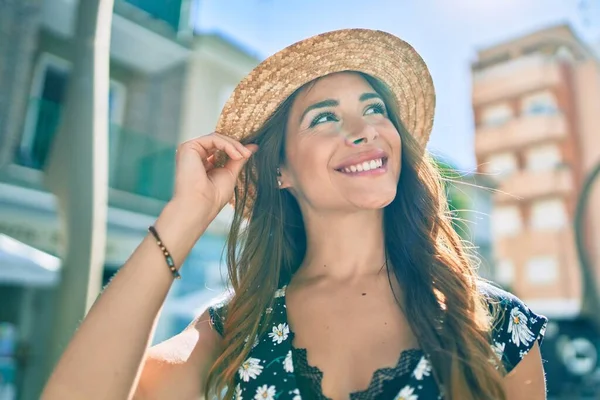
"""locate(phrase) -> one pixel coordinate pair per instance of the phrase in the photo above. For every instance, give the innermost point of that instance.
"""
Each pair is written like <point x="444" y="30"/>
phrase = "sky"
<point x="447" y="34"/>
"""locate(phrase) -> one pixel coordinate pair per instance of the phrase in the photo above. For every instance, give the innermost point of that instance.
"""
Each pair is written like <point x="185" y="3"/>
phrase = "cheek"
<point x="391" y="136"/>
<point x="308" y="160"/>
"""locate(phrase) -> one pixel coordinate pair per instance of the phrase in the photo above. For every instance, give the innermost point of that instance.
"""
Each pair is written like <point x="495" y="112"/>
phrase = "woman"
<point x="347" y="278"/>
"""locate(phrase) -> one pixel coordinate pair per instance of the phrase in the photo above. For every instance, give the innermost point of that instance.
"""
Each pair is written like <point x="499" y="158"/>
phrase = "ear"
<point x="283" y="180"/>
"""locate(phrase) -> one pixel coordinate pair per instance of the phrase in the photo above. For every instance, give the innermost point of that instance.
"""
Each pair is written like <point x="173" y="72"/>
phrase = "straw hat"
<point x="376" y="53"/>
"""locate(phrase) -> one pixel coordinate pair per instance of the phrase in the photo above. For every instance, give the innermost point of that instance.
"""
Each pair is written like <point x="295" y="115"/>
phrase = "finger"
<point x="235" y="166"/>
<point x="240" y="147"/>
<point x="252" y="147"/>
<point x="209" y="163"/>
<point x="207" y="145"/>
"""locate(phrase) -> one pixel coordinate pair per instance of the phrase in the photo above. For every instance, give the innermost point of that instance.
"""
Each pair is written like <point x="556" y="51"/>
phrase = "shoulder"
<point x="515" y="327"/>
<point x="178" y="366"/>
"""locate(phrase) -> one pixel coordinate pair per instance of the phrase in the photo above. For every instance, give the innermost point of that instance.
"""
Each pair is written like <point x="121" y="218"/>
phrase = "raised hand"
<point x="197" y="179"/>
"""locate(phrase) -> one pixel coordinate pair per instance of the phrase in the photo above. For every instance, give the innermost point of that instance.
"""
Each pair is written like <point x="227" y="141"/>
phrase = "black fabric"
<point x="385" y="383"/>
<point x="515" y="330"/>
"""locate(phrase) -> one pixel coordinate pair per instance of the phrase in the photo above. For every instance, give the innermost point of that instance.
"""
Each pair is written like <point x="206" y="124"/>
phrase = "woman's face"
<point x="342" y="151"/>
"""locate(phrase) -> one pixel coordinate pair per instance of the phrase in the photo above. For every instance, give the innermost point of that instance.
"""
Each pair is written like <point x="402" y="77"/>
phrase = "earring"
<point x="278" y="182"/>
<point x="278" y="174"/>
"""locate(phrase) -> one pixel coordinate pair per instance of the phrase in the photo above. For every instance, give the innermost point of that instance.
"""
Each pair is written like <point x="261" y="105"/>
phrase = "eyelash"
<point x="378" y="107"/>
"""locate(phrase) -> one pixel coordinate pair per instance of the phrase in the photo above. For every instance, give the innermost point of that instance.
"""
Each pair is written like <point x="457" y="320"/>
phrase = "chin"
<point x="375" y="201"/>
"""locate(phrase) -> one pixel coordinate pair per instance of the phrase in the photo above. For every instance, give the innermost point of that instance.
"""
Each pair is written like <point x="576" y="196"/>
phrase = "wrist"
<point x="182" y="224"/>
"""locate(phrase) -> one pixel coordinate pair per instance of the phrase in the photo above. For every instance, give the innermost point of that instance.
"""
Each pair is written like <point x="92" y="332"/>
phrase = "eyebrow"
<point x="335" y="103"/>
<point x="368" y="96"/>
<point x="320" y="104"/>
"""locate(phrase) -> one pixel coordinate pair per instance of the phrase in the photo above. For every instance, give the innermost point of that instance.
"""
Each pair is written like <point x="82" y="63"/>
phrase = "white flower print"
<point x="296" y="393"/>
<point x="288" y="364"/>
<point x="280" y="292"/>
<point x="523" y="353"/>
<point x="280" y="333"/>
<point x="498" y="349"/>
<point x="423" y="369"/>
<point x="519" y="329"/>
<point x="407" y="393"/>
<point x="250" y="369"/>
<point x="238" y="392"/>
<point x="265" y="392"/>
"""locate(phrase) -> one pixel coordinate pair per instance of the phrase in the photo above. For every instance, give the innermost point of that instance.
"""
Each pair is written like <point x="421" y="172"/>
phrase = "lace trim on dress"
<point x="310" y="378"/>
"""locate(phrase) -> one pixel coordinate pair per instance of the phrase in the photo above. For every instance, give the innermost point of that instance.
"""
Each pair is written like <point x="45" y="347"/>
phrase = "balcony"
<point x="527" y="185"/>
<point x="147" y="35"/>
<point x="141" y="168"/>
<point x="514" y="77"/>
<point x="516" y="133"/>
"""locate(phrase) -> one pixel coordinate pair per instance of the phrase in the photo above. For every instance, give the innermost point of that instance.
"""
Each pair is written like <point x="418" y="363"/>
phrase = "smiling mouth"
<point x="365" y="166"/>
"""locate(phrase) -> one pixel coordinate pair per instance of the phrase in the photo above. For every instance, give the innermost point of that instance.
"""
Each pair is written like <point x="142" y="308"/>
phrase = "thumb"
<point x="235" y="166"/>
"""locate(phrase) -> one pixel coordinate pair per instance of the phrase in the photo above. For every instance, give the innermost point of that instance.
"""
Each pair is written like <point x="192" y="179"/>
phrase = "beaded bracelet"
<point x="170" y="262"/>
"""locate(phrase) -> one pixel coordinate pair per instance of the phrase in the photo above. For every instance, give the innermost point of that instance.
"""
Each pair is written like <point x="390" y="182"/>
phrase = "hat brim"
<point x="376" y="53"/>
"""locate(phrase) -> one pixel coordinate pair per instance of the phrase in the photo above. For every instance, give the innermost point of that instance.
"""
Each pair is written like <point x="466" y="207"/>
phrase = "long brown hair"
<point x="440" y="296"/>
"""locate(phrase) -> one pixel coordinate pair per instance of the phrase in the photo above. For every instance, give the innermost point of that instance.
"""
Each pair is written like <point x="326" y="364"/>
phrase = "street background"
<point x="87" y="153"/>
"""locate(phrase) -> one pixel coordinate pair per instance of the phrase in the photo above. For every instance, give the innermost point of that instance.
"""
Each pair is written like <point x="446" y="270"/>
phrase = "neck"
<point x="344" y="245"/>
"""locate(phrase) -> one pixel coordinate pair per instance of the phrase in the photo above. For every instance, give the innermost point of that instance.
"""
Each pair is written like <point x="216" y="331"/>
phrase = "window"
<point x="543" y="158"/>
<point x="43" y="114"/>
<point x="48" y="92"/>
<point x="506" y="221"/>
<point x="542" y="270"/>
<point x="501" y="165"/>
<point x="541" y="103"/>
<point x="548" y="215"/>
<point x="505" y="272"/>
<point x="496" y="115"/>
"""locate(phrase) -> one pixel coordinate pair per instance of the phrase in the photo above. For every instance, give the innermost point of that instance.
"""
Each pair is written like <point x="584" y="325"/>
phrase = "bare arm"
<point x="527" y="380"/>
<point x="104" y="357"/>
<point x="107" y="354"/>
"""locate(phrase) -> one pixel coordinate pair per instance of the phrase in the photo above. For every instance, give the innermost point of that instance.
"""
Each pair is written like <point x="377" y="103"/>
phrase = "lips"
<point x="364" y="162"/>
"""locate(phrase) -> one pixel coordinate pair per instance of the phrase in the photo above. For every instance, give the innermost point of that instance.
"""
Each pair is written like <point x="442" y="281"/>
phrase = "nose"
<point x="358" y="132"/>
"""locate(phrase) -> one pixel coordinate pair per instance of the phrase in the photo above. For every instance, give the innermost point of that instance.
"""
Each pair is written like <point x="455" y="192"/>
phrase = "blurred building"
<point x="536" y="102"/>
<point x="167" y="85"/>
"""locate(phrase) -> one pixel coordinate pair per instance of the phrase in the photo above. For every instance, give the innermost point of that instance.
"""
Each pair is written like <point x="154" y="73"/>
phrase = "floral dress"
<point x="275" y="369"/>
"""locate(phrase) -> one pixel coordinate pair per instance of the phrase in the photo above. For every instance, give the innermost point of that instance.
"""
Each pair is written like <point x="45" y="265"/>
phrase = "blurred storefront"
<point x="168" y="84"/>
<point x="536" y="100"/>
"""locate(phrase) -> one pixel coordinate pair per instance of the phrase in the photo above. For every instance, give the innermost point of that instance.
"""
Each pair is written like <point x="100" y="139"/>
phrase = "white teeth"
<point x="365" y="166"/>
